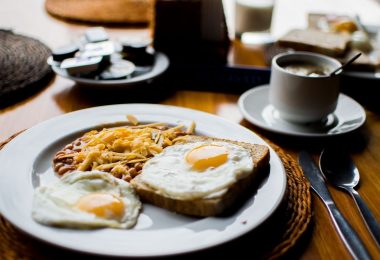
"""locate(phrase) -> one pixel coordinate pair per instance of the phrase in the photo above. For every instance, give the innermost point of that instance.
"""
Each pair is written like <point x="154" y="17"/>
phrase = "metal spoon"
<point x="340" y="170"/>
<point x="340" y="69"/>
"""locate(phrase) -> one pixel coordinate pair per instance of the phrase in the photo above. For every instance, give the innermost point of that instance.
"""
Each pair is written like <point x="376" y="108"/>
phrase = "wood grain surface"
<point x="62" y="96"/>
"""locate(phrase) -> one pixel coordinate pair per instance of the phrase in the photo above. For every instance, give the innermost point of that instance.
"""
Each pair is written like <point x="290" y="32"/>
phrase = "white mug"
<point x="303" y="98"/>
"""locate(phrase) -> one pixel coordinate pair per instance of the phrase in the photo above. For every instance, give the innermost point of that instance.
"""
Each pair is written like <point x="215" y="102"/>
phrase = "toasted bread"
<point x="328" y="43"/>
<point x="207" y="206"/>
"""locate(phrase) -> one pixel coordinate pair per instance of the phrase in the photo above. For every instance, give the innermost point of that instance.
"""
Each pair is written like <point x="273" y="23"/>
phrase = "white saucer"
<point x="254" y="105"/>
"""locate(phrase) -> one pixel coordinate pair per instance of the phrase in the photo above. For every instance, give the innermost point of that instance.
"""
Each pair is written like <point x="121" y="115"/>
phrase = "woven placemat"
<point x="23" y="67"/>
<point x="283" y="232"/>
<point x="298" y="204"/>
<point x="102" y="11"/>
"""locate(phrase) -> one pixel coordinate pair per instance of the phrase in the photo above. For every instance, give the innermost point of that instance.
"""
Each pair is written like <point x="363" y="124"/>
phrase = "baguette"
<point x="208" y="206"/>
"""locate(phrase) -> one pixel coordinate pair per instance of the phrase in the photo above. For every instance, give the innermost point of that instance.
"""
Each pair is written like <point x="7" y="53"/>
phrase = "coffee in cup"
<point x="301" y="88"/>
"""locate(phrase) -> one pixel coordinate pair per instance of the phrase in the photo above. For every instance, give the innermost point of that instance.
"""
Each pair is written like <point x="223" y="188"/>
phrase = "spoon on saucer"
<point x="339" y="169"/>
<point x="339" y="69"/>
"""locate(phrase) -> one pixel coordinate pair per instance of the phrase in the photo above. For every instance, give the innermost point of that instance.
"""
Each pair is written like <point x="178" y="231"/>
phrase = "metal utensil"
<point x="340" y="170"/>
<point x="339" y="69"/>
<point x="345" y="231"/>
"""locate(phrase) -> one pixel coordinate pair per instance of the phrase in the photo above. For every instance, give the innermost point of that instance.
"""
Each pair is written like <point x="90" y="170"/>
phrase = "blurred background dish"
<point x="96" y="59"/>
<point x="143" y="75"/>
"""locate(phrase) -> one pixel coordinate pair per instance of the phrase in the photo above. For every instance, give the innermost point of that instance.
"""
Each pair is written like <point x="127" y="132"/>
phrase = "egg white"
<point x="55" y="204"/>
<point x="170" y="175"/>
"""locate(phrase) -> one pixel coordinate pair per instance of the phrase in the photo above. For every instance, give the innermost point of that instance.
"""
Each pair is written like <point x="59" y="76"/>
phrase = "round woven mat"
<point x="276" y="237"/>
<point x="102" y="11"/>
<point x="23" y="66"/>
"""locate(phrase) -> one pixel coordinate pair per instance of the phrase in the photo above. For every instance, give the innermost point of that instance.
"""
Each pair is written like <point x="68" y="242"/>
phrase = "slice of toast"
<point x="328" y="43"/>
<point x="208" y="206"/>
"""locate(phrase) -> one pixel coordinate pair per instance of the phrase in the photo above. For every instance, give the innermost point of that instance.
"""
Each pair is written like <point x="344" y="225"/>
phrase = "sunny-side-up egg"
<point x="196" y="170"/>
<point x="87" y="200"/>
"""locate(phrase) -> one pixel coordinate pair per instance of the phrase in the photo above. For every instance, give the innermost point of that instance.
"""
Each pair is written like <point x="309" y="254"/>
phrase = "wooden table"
<point x="62" y="96"/>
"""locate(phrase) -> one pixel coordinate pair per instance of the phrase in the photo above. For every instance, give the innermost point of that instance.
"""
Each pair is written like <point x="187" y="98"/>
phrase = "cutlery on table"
<point x="340" y="170"/>
<point x="345" y="231"/>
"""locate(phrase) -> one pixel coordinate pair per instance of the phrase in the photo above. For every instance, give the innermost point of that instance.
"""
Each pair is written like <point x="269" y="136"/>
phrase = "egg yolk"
<point x="205" y="156"/>
<point x="102" y="205"/>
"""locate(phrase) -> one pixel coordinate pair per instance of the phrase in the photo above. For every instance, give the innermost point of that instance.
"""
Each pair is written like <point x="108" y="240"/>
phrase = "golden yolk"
<point x="102" y="205"/>
<point x="205" y="156"/>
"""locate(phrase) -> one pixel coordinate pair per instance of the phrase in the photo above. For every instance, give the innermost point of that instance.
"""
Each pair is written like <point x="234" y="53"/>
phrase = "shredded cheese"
<point x="118" y="150"/>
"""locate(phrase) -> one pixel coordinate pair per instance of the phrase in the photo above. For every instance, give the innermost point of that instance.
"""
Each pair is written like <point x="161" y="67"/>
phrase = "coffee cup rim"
<point x="321" y="57"/>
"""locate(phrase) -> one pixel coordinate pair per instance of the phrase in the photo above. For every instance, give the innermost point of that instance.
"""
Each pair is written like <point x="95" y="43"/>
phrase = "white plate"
<point x="254" y="105"/>
<point x="26" y="161"/>
<point x="160" y="65"/>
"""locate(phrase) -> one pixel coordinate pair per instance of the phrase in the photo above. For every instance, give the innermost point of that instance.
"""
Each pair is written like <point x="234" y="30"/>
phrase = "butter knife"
<point x="352" y="241"/>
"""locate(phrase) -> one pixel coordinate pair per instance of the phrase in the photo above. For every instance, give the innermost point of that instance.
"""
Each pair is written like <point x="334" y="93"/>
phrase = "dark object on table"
<point x="64" y="52"/>
<point x="191" y="31"/>
<point x="23" y="67"/>
<point x="138" y="52"/>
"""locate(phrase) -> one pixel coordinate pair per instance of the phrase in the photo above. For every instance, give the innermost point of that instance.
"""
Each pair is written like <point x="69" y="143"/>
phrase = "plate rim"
<point x="152" y="106"/>
<point x="259" y="124"/>
<point x="160" y="59"/>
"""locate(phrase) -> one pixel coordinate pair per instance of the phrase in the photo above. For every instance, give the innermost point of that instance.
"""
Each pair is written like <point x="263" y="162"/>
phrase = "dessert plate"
<point x="254" y="105"/>
<point x="158" y="231"/>
<point x="145" y="75"/>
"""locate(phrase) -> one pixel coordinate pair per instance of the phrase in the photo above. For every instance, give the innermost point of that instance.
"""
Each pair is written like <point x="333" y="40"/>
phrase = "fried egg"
<point x="196" y="170"/>
<point x="87" y="200"/>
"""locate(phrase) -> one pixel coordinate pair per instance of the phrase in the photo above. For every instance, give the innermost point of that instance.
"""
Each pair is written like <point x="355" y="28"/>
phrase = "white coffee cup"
<point x="302" y="98"/>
